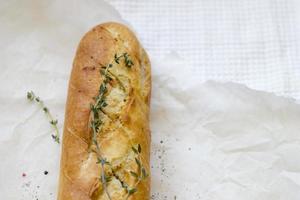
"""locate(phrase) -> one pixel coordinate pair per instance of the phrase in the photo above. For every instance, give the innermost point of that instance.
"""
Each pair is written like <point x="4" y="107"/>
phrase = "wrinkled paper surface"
<point x="210" y="141"/>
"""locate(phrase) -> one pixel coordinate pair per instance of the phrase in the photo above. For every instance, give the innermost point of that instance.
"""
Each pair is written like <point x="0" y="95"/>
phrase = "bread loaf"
<point x="106" y="139"/>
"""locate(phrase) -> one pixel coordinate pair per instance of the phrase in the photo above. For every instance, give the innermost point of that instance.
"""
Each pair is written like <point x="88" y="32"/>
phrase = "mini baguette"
<point x="110" y="82"/>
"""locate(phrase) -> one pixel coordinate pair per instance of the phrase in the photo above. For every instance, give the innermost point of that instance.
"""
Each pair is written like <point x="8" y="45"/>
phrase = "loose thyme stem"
<point x="32" y="97"/>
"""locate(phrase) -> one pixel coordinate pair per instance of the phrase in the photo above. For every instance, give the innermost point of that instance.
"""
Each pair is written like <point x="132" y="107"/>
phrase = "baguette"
<point x="106" y="139"/>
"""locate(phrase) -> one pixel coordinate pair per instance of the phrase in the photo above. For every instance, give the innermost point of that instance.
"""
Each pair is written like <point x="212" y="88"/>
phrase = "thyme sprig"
<point x="127" y="59"/>
<point x="141" y="173"/>
<point x="124" y="185"/>
<point x="32" y="97"/>
<point x="96" y="124"/>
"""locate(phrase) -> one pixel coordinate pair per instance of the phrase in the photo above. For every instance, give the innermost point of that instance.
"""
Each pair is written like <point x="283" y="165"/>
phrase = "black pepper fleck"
<point x="46" y="172"/>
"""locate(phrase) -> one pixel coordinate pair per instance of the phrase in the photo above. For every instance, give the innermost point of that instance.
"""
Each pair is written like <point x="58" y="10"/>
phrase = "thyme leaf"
<point x="144" y="173"/>
<point x="132" y="191"/>
<point x="134" y="174"/>
<point x="138" y="162"/>
<point x="134" y="150"/>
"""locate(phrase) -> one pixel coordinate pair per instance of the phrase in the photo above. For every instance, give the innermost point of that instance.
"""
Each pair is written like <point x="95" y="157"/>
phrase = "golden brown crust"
<point x="125" y="118"/>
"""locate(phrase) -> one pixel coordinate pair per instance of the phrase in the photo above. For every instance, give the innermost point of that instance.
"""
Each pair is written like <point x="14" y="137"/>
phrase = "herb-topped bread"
<point x="106" y="140"/>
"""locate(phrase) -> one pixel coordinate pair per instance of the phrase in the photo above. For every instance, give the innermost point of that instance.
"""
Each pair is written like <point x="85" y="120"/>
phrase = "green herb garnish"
<point x="127" y="59"/>
<point x="32" y="97"/>
<point x="96" y="124"/>
<point x="131" y="191"/>
<point x="141" y="173"/>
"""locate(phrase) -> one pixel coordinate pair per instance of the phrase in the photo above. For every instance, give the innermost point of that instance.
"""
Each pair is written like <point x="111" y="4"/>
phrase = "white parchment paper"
<point x="211" y="141"/>
<point x="253" y="42"/>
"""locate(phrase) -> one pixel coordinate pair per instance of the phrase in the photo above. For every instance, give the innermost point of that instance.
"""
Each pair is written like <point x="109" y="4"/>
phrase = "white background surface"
<point x="219" y="141"/>
<point x="254" y="42"/>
